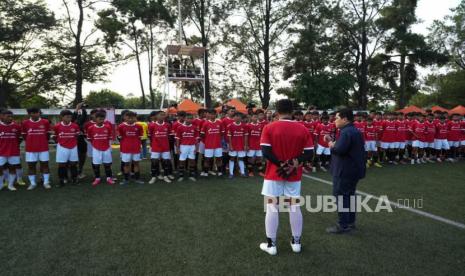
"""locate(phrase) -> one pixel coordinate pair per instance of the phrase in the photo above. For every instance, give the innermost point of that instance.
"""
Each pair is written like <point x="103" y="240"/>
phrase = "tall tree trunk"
<point x="401" y="100"/>
<point x="266" y="57"/>
<point x="3" y="93"/>
<point x="363" y="85"/>
<point x="137" y="53"/>
<point x="208" y="99"/>
<point x="150" y="53"/>
<point x="78" y="50"/>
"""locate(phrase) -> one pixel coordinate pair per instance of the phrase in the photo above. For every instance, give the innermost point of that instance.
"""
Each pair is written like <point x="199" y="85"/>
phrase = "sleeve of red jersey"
<point x="203" y="129"/>
<point x="178" y="132"/>
<point x="140" y="130"/>
<point x="265" y="139"/>
<point x="228" y="131"/>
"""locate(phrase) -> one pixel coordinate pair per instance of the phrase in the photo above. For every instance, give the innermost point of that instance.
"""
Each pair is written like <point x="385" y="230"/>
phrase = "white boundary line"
<point x="400" y="206"/>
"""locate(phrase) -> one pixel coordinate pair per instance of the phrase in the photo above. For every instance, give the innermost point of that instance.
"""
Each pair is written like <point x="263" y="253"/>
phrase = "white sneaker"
<point x="31" y="187"/>
<point x="314" y="169"/>
<point x="203" y="174"/>
<point x="412" y="161"/>
<point x="160" y="177"/>
<point x="171" y="177"/>
<point x="272" y="250"/>
<point x="418" y="161"/>
<point x="167" y="179"/>
<point x="192" y="179"/>
<point x="296" y="247"/>
<point x="11" y="188"/>
<point x="323" y="169"/>
<point x="152" y="180"/>
<point x="47" y="186"/>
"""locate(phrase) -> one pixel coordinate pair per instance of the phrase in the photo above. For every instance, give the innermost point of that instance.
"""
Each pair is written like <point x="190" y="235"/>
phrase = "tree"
<point x="104" y="98"/>
<point x="131" y="24"/>
<point x="404" y="50"/>
<point x="22" y="25"/>
<point x="445" y="90"/>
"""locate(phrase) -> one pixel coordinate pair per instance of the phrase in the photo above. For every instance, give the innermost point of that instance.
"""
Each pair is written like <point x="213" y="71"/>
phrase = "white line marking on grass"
<point x="400" y="206"/>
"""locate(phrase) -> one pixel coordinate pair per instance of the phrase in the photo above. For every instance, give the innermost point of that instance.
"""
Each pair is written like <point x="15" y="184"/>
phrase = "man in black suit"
<point x="347" y="168"/>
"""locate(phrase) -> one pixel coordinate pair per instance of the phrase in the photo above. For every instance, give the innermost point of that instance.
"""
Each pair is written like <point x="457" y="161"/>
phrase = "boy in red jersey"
<point x="130" y="135"/>
<point x="440" y="140"/>
<point x="198" y="123"/>
<point x="66" y="134"/>
<point x="285" y="143"/>
<point x="181" y="118"/>
<point x="238" y="144"/>
<point x="212" y="132"/>
<point x="430" y="133"/>
<point x="10" y="138"/>
<point x="254" y="154"/>
<point x="418" y="130"/>
<point x="159" y="132"/>
<point x="323" y="152"/>
<point x="100" y="136"/>
<point x="402" y="129"/>
<point x="389" y="138"/>
<point x="454" y="135"/>
<point x="36" y="132"/>
<point x="187" y="139"/>
<point x="371" y="136"/>
<point x="261" y="117"/>
<point x="378" y="124"/>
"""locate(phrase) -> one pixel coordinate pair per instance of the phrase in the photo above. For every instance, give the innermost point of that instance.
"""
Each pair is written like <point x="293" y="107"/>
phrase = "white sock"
<point x="46" y="178"/>
<point x="231" y="167"/>
<point x="11" y="180"/>
<point x="32" y="179"/>
<point x="19" y="173"/>
<point x="242" y="166"/>
<point x="271" y="221"/>
<point x="295" y="218"/>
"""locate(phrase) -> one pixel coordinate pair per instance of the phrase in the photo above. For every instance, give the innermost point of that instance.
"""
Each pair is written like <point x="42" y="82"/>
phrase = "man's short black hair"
<point x="284" y="106"/>
<point x="124" y="112"/>
<point x="211" y="111"/>
<point x="201" y="111"/>
<point x="66" y="113"/>
<point x="153" y="113"/>
<point x="259" y="111"/>
<point x="33" y="110"/>
<point x="100" y="114"/>
<point x="131" y="114"/>
<point x="346" y="113"/>
<point x="298" y="113"/>
<point x="182" y="114"/>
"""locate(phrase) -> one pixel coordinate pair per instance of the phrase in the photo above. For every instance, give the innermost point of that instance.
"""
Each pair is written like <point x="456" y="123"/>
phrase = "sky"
<point x="124" y="78"/>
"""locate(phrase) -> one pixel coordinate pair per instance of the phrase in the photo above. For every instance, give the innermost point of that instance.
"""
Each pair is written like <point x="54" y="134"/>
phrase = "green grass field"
<point x="214" y="226"/>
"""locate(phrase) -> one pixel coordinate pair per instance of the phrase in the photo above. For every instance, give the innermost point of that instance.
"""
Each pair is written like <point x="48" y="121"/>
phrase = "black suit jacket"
<point x="348" y="154"/>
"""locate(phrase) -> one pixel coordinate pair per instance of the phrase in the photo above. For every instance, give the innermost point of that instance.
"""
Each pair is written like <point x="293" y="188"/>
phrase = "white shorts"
<point x="37" y="156"/>
<point x="370" y="146"/>
<point x="187" y="152"/>
<point x="163" y="155"/>
<point x="65" y="155"/>
<point x="209" y="153"/>
<point x="129" y="157"/>
<point x="401" y="145"/>
<point x="239" y="154"/>
<point x="462" y="143"/>
<point x="101" y="157"/>
<point x="11" y="160"/>
<point x="454" y="144"/>
<point x="273" y="188"/>
<point x="323" y="150"/>
<point x="201" y="148"/>
<point x="441" y="144"/>
<point x="254" y="153"/>
<point x="429" y="145"/>
<point x="418" y="144"/>
<point x="392" y="145"/>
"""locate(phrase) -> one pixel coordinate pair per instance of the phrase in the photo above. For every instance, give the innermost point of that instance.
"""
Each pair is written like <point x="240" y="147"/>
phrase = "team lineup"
<point x="223" y="141"/>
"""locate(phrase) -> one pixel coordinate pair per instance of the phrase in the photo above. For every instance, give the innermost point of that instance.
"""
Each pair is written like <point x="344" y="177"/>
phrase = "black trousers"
<point x="344" y="189"/>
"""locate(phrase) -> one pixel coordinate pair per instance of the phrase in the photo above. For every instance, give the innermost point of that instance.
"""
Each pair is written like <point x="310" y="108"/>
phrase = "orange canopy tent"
<point x="438" y="108"/>
<point x="458" y="109"/>
<point x="411" y="108"/>
<point x="187" y="106"/>
<point x="241" y="107"/>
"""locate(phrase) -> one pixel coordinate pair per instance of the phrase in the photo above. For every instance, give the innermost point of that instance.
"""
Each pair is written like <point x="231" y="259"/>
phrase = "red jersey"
<point x="322" y="130"/>
<point x="419" y="130"/>
<point x="100" y="136"/>
<point x="174" y="127"/>
<point x="430" y="131"/>
<point x="389" y="134"/>
<point x="255" y="133"/>
<point x="441" y="131"/>
<point x="130" y="137"/>
<point x="212" y="133"/>
<point x="9" y="139"/>
<point x="370" y="133"/>
<point x="159" y="136"/>
<point x="263" y="123"/>
<point x="36" y="134"/>
<point x="402" y="130"/>
<point x="187" y="135"/>
<point x="409" y="124"/>
<point x="310" y="126"/>
<point x="454" y="131"/>
<point x="288" y="139"/>
<point x="361" y="127"/>
<point x="237" y="132"/>
<point x="462" y="126"/>
<point x="378" y="124"/>
<point x="226" y="122"/>
<point x="66" y="134"/>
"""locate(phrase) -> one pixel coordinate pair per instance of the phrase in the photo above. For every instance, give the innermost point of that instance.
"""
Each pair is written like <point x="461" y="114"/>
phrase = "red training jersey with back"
<point x="441" y="131"/>
<point x="212" y="132"/>
<point x="389" y="132"/>
<point x="100" y="136"/>
<point x="237" y="132"/>
<point x="287" y="139"/>
<point x="66" y="134"/>
<point x="36" y="134"/>
<point x="9" y="139"/>
<point x="454" y="133"/>
<point x="187" y="134"/>
<point x="322" y="130"/>
<point x="159" y="136"/>
<point x="430" y="131"/>
<point x="255" y="133"/>
<point x="130" y="137"/>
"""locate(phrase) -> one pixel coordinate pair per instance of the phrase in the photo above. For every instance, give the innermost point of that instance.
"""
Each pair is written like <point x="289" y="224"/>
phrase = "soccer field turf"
<point x="214" y="226"/>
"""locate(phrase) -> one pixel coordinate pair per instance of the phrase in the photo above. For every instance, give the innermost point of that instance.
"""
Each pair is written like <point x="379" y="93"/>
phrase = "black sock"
<point x="96" y="170"/>
<point x="108" y="171"/>
<point x="155" y="168"/>
<point x="74" y="171"/>
<point x="126" y="176"/>
<point x="137" y="175"/>
<point x="62" y="174"/>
